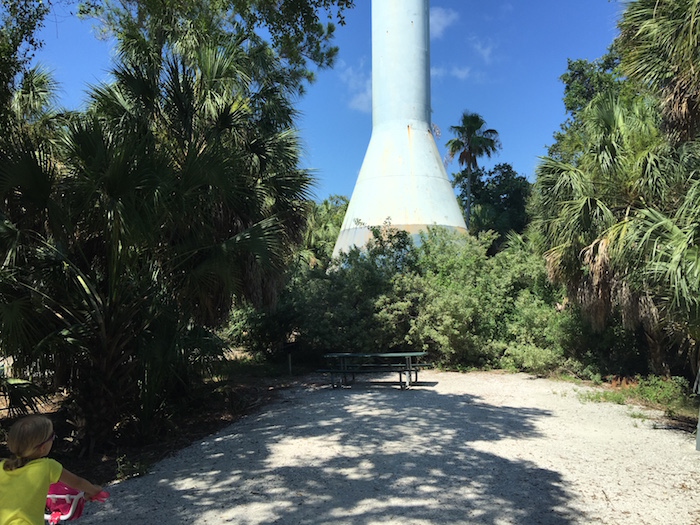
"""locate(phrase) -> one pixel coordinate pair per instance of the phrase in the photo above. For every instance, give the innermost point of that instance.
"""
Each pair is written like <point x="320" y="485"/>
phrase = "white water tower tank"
<point x="402" y="177"/>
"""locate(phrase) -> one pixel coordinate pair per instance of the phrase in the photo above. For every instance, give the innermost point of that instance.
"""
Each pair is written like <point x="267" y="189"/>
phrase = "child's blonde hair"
<point x="24" y="438"/>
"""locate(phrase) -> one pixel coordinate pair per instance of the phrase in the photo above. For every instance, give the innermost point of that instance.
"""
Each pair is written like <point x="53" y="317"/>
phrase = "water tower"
<point x="402" y="177"/>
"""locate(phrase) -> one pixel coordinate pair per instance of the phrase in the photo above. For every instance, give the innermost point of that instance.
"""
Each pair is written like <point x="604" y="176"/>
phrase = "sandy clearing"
<point x="482" y="448"/>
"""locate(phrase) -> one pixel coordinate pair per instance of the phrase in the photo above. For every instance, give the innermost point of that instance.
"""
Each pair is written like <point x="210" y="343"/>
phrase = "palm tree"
<point x="27" y="208"/>
<point x="658" y="45"/>
<point x="660" y="245"/>
<point x="323" y="224"/>
<point x="471" y="142"/>
<point x="35" y="96"/>
<point x="201" y="202"/>
<point x="175" y="195"/>
<point x="588" y="214"/>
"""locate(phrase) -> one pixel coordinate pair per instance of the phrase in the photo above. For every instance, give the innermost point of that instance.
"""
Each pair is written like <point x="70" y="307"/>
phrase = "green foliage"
<point x="472" y="140"/>
<point x="672" y="393"/>
<point x="658" y="46"/>
<point x="584" y="80"/>
<point x="328" y="310"/>
<point x="614" y="350"/>
<point x="295" y="27"/>
<point x="464" y="300"/>
<point x="576" y="207"/>
<point x="531" y="358"/>
<point x="242" y="367"/>
<point x="20" y="21"/>
<point x="129" y="231"/>
<point x="604" y="396"/>
<point x="499" y="199"/>
<point x="295" y="31"/>
<point x="657" y="390"/>
<point x="615" y="203"/>
<point x="446" y="296"/>
<point x="322" y="229"/>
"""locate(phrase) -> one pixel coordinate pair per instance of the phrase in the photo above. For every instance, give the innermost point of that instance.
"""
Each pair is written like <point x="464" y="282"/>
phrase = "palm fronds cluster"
<point x="619" y="219"/>
<point x="128" y="230"/>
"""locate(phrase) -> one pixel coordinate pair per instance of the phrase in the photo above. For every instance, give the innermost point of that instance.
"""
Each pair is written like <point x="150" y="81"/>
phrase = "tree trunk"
<point x="468" y="206"/>
<point x="657" y="357"/>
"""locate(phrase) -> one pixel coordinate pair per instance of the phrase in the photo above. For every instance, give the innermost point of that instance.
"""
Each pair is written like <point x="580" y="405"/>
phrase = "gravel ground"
<point x="482" y="448"/>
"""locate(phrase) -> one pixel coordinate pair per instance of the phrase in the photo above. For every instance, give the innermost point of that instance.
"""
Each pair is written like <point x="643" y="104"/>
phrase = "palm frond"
<point x="36" y="96"/>
<point x="658" y="43"/>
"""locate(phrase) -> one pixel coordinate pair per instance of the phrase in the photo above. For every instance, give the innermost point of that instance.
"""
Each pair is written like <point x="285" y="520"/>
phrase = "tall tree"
<point x="623" y="166"/>
<point x="658" y="44"/>
<point x="584" y="81"/>
<point x="616" y="200"/>
<point x="19" y="22"/>
<point x="26" y="206"/>
<point x="500" y="197"/>
<point x="294" y="30"/>
<point x="129" y="234"/>
<point x="472" y="141"/>
<point x="215" y="168"/>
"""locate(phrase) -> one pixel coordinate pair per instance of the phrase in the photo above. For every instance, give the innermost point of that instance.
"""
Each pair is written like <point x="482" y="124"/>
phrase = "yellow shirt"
<point x="23" y="491"/>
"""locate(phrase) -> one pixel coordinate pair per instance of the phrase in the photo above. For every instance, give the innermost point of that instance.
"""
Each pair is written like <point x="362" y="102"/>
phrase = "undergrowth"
<point x="672" y="395"/>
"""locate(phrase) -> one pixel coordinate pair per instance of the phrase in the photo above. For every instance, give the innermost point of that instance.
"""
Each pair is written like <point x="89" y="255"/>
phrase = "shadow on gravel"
<point x="364" y="455"/>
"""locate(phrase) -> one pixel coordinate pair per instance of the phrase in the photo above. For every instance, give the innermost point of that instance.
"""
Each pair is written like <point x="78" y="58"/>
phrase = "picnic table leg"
<point x="344" y="368"/>
<point x="348" y="375"/>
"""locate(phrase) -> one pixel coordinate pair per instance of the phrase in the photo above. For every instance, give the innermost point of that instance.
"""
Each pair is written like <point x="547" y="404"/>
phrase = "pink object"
<point x="63" y="503"/>
<point x="100" y="496"/>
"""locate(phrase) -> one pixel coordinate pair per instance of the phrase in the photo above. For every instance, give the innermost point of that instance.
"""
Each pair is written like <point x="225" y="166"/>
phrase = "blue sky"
<point x="499" y="58"/>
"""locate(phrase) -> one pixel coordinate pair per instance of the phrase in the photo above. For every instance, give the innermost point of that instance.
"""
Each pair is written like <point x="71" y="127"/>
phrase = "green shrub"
<point x="579" y="370"/>
<point x="662" y="391"/>
<point x="604" y="396"/>
<point x="351" y="308"/>
<point x="673" y="394"/>
<point x="531" y="358"/>
<point x="448" y="297"/>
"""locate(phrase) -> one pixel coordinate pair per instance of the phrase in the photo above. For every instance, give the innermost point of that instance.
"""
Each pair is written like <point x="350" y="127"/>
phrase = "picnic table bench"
<point x="344" y="366"/>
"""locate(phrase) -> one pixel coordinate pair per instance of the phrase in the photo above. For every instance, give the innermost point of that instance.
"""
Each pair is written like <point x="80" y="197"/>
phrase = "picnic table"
<point x="344" y="366"/>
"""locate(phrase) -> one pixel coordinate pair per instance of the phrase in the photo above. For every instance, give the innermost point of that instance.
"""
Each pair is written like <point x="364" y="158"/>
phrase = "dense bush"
<point x="446" y="296"/>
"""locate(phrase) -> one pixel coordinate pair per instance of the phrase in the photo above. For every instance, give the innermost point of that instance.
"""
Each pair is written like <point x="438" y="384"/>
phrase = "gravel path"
<point x="482" y="448"/>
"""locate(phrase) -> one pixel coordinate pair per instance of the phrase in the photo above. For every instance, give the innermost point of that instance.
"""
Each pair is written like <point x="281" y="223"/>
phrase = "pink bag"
<point x="63" y="503"/>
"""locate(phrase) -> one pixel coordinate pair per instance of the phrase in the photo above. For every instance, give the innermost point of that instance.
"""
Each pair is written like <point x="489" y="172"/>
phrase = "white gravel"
<point x="482" y="448"/>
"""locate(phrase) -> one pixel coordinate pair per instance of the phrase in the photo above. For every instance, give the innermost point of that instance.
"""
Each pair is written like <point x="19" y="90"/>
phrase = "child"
<point x="26" y="476"/>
